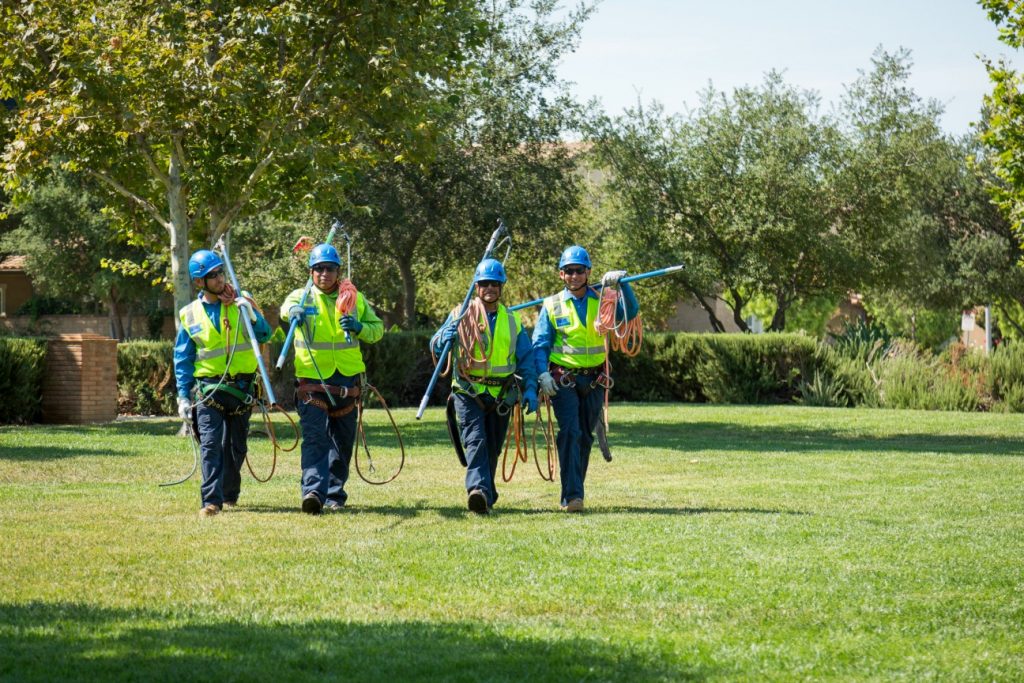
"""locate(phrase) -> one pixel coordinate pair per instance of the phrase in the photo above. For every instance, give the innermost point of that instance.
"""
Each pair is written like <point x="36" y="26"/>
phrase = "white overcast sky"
<point x="668" y="50"/>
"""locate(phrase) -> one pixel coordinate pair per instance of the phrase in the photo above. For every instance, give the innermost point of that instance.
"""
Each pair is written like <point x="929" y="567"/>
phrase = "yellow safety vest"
<point x="328" y="346"/>
<point x="576" y="345"/>
<point x="501" y="362"/>
<point x="212" y="346"/>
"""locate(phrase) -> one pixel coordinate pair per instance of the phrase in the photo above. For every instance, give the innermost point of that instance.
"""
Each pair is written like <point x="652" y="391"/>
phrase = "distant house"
<point x="15" y="286"/>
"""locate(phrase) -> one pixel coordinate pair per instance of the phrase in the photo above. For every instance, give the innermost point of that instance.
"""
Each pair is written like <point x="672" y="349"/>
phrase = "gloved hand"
<point x="530" y="401"/>
<point x="449" y="333"/>
<point x="184" y="408"/>
<point x="245" y="308"/>
<point x="350" y="324"/>
<point x="297" y="313"/>
<point x="612" y="277"/>
<point x="546" y="384"/>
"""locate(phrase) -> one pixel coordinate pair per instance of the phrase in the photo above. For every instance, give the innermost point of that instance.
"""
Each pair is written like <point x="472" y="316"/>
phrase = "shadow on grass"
<point x="44" y="642"/>
<point x="48" y="453"/>
<point x="725" y="436"/>
<point x="461" y="512"/>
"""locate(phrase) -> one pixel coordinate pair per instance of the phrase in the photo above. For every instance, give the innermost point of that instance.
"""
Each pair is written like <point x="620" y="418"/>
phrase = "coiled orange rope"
<point x="624" y="336"/>
<point x="473" y="334"/>
<point x="347" y="297"/>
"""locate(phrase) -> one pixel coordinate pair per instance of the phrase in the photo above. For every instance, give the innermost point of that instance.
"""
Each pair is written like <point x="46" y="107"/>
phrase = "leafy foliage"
<point x="193" y="114"/>
<point x="22" y="369"/>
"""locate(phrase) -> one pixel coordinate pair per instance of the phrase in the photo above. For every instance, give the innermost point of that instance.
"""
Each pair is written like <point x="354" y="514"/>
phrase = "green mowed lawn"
<point x="721" y="543"/>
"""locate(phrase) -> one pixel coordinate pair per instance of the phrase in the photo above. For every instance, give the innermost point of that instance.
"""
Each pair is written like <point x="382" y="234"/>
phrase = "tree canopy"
<point x="197" y="113"/>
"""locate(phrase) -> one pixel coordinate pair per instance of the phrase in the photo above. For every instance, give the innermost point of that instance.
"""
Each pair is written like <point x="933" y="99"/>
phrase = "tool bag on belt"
<point x="232" y="395"/>
<point x="316" y="394"/>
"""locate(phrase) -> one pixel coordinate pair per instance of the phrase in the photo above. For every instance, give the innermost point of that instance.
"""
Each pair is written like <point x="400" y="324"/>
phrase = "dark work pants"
<point x="222" y="448"/>
<point x="577" y="416"/>
<point x="483" y="435"/>
<point x="326" y="450"/>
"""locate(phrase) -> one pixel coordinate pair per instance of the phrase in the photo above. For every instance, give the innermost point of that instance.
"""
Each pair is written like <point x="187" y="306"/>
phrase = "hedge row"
<point x="671" y="367"/>
<point x="722" y="368"/>
<point x="22" y="367"/>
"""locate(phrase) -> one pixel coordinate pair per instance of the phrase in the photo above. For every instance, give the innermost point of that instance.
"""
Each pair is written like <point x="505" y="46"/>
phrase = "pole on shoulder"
<point x="631" y="278"/>
<point x="222" y="243"/>
<point x="302" y="302"/>
<point x="446" y="349"/>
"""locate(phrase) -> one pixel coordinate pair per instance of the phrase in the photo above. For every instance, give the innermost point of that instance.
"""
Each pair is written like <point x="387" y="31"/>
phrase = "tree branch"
<point x="134" y="198"/>
<point x="147" y="155"/>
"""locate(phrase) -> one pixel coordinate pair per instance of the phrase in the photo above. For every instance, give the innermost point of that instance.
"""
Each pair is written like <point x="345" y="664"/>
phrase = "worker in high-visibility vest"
<point x="569" y="355"/>
<point x="487" y="381"/>
<point x="328" y="369"/>
<point x="213" y="356"/>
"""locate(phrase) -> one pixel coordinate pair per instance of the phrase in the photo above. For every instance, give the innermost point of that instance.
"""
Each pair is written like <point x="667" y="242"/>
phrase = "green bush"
<point x="911" y="378"/>
<point x="22" y="368"/>
<point x="145" y="377"/>
<point x="720" y="368"/>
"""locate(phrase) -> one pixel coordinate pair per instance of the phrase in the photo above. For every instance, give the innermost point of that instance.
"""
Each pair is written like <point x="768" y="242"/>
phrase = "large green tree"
<point x="500" y="155"/>
<point x="196" y="113"/>
<point x="766" y="199"/>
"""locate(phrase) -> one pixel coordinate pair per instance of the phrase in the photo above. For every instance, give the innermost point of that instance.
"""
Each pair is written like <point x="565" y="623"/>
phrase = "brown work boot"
<point x="574" y="505"/>
<point x="209" y="510"/>
<point x="478" y="502"/>
<point x="311" y="504"/>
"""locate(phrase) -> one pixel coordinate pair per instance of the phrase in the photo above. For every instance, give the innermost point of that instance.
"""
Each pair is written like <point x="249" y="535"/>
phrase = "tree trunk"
<point x="180" y="281"/>
<point x="114" y="311"/>
<point x="408" y="306"/>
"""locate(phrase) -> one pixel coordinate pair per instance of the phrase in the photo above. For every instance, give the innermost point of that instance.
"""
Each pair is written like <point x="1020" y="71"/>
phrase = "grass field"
<point x="723" y="543"/>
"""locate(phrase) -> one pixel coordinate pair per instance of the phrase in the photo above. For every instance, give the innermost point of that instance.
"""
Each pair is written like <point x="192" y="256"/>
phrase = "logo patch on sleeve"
<point x="562" y="322"/>
<point x="194" y="330"/>
<point x="310" y="310"/>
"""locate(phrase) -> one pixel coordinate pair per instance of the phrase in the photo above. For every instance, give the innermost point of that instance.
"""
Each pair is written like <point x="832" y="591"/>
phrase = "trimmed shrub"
<point x="22" y="367"/>
<point x="145" y="378"/>
<point x="720" y="368"/>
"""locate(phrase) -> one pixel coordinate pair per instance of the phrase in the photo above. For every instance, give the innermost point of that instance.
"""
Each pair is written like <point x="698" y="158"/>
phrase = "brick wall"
<point x="81" y="379"/>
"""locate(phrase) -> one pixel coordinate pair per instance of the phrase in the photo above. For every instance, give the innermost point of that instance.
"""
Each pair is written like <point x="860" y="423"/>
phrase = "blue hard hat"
<point x="489" y="269"/>
<point x="574" y="255"/>
<point x="202" y="262"/>
<point x="324" y="253"/>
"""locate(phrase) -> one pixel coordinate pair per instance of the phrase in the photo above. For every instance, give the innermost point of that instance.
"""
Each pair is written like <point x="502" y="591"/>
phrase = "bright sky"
<point x="668" y="50"/>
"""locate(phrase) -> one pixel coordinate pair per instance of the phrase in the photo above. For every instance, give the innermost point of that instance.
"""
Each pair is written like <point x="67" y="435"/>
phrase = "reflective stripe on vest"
<point x="502" y="350"/>
<point x="577" y="345"/>
<point x="328" y="346"/>
<point x="211" y="347"/>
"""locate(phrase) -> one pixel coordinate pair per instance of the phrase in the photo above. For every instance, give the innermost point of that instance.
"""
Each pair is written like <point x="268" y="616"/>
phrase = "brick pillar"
<point x="81" y="379"/>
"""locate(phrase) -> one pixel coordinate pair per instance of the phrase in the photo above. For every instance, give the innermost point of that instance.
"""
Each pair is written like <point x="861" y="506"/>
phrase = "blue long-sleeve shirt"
<point x="525" y="366"/>
<point x="544" y="334"/>
<point x="185" y="347"/>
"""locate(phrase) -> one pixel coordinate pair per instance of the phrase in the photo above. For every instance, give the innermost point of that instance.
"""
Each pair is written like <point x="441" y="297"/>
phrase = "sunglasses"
<point x="324" y="268"/>
<point x="488" y="283"/>
<point x="574" y="271"/>
<point x="215" y="273"/>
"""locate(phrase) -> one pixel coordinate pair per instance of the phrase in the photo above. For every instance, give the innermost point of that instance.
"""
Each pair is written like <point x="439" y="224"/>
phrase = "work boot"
<point x="574" y="505"/>
<point x="209" y="510"/>
<point x="311" y="504"/>
<point x="478" y="502"/>
<point x="230" y="503"/>
<point x="333" y="506"/>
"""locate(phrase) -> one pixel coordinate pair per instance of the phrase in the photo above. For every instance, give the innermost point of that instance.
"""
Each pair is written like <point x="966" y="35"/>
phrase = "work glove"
<point x="449" y="333"/>
<point x="530" y="401"/>
<point x="245" y="308"/>
<point x="612" y="277"/>
<point x="296" y="313"/>
<point x="184" y="408"/>
<point x="547" y="385"/>
<point x="350" y="324"/>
